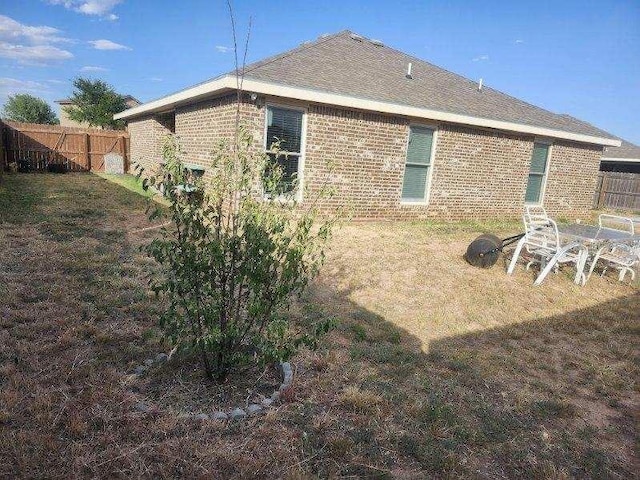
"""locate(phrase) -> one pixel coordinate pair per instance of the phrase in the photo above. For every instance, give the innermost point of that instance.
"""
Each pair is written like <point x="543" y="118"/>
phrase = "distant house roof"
<point x="349" y="70"/>
<point x="130" y="100"/>
<point x="627" y="152"/>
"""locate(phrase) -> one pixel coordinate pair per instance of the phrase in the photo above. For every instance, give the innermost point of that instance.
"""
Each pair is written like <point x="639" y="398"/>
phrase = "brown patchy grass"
<point x="437" y="369"/>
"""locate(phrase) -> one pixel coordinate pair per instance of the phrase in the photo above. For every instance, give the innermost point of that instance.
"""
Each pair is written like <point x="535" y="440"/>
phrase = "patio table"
<point x="590" y="234"/>
<point x="593" y="237"/>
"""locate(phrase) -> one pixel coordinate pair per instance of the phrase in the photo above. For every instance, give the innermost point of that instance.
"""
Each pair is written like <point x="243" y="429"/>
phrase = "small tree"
<point x="96" y="102"/>
<point x="23" y="107"/>
<point x="236" y="251"/>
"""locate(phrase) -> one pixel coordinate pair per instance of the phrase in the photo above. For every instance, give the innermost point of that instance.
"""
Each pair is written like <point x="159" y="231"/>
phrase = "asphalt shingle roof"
<point x="348" y="64"/>
<point x="626" y="150"/>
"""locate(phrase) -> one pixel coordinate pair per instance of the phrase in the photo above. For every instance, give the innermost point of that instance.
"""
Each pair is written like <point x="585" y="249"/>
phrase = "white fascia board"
<point x="181" y="97"/>
<point x="620" y="160"/>
<point x="317" y="96"/>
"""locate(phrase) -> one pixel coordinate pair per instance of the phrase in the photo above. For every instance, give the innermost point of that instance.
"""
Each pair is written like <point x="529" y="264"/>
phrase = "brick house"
<point x="407" y="140"/>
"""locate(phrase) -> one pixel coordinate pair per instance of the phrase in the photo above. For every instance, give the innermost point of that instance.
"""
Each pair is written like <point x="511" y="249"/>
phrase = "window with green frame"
<point x="538" y="170"/>
<point x="416" y="171"/>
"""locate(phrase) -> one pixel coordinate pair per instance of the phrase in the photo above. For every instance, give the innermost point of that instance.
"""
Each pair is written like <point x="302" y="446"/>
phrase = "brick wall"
<point x="365" y="152"/>
<point x="572" y="177"/>
<point x="146" y="136"/>
<point x="477" y="173"/>
<point x="203" y="125"/>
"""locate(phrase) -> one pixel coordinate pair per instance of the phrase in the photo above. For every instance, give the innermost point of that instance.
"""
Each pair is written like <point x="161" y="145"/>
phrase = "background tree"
<point x="23" y="107"/>
<point x="96" y="102"/>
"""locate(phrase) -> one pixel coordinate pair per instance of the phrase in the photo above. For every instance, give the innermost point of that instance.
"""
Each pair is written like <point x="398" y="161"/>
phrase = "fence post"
<point x="603" y="189"/>
<point x="122" y="151"/>
<point x="87" y="148"/>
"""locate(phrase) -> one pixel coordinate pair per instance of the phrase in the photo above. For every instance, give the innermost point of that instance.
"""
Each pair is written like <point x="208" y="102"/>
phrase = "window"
<point x="537" y="173"/>
<point x="416" y="171"/>
<point x="285" y="126"/>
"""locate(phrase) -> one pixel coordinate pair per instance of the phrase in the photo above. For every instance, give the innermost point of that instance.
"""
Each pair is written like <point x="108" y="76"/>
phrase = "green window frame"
<point x="537" y="173"/>
<point x="418" y="164"/>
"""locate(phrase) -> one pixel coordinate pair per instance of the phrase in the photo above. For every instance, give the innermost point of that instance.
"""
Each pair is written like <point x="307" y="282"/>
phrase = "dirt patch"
<point x="179" y="387"/>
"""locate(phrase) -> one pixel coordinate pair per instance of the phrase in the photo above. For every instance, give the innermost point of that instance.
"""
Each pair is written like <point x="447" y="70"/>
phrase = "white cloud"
<point x="101" y="8"/>
<point x="33" y="54"/>
<point x="107" y="45"/>
<point x="519" y="41"/>
<point x="222" y="49"/>
<point x="156" y="79"/>
<point x="14" y="31"/>
<point x="481" y="58"/>
<point x="11" y="86"/>
<point x="29" y="44"/>
<point x="91" y="68"/>
<point x="113" y="17"/>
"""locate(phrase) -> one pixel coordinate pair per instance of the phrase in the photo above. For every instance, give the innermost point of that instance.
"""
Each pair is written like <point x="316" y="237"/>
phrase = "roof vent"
<point x="480" y="85"/>
<point x="356" y="37"/>
<point x="408" y="75"/>
<point x="377" y="43"/>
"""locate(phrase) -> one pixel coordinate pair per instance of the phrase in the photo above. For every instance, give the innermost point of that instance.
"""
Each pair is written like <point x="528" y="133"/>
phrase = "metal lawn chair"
<point x="616" y="222"/>
<point x="542" y="241"/>
<point x="620" y="256"/>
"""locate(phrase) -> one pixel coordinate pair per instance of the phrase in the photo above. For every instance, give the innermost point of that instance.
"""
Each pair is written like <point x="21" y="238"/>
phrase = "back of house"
<point x="405" y="139"/>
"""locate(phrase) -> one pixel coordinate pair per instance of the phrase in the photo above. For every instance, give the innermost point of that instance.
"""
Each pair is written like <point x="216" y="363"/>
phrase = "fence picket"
<point x="620" y="191"/>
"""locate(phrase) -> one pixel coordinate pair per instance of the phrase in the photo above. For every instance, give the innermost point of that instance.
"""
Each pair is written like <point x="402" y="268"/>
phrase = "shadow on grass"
<point x="547" y="398"/>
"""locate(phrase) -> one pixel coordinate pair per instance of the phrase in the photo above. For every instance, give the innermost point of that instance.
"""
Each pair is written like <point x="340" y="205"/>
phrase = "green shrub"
<point x="233" y="253"/>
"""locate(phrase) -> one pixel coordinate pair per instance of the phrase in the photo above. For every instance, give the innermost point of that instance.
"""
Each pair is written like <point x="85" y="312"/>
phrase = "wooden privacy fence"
<point x="619" y="191"/>
<point x="35" y="147"/>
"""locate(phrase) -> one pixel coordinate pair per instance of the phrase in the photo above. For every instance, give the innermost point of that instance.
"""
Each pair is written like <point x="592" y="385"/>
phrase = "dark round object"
<point x="484" y="251"/>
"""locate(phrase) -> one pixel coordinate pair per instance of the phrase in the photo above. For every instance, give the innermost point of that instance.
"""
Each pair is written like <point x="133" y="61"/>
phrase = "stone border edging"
<point x="236" y="413"/>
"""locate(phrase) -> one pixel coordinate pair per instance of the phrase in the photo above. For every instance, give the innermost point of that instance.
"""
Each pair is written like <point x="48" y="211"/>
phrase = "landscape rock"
<point x="162" y="357"/>
<point x="275" y="396"/>
<point x="287" y="373"/>
<point x="238" y="413"/>
<point x="142" y="407"/>
<point x="266" y="403"/>
<point x="148" y="362"/>
<point x="254" y="408"/>
<point x="284" y="386"/>
<point x="184" y="415"/>
<point x="140" y="369"/>
<point x="202" y="417"/>
<point x="220" y="416"/>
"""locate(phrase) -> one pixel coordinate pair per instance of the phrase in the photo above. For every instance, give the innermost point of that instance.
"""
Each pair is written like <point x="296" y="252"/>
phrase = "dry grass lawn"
<point x="436" y="369"/>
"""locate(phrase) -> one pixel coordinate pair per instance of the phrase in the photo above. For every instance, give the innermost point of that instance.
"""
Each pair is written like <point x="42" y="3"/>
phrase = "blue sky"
<point x="575" y="57"/>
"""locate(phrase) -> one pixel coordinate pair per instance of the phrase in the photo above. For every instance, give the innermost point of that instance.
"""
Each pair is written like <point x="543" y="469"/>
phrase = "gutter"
<point x="620" y="160"/>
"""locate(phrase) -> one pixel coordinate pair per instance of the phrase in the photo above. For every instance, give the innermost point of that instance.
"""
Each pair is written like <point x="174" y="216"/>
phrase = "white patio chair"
<point x="535" y="216"/>
<point x="542" y="240"/>
<point x="616" y="222"/>
<point x="620" y="256"/>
